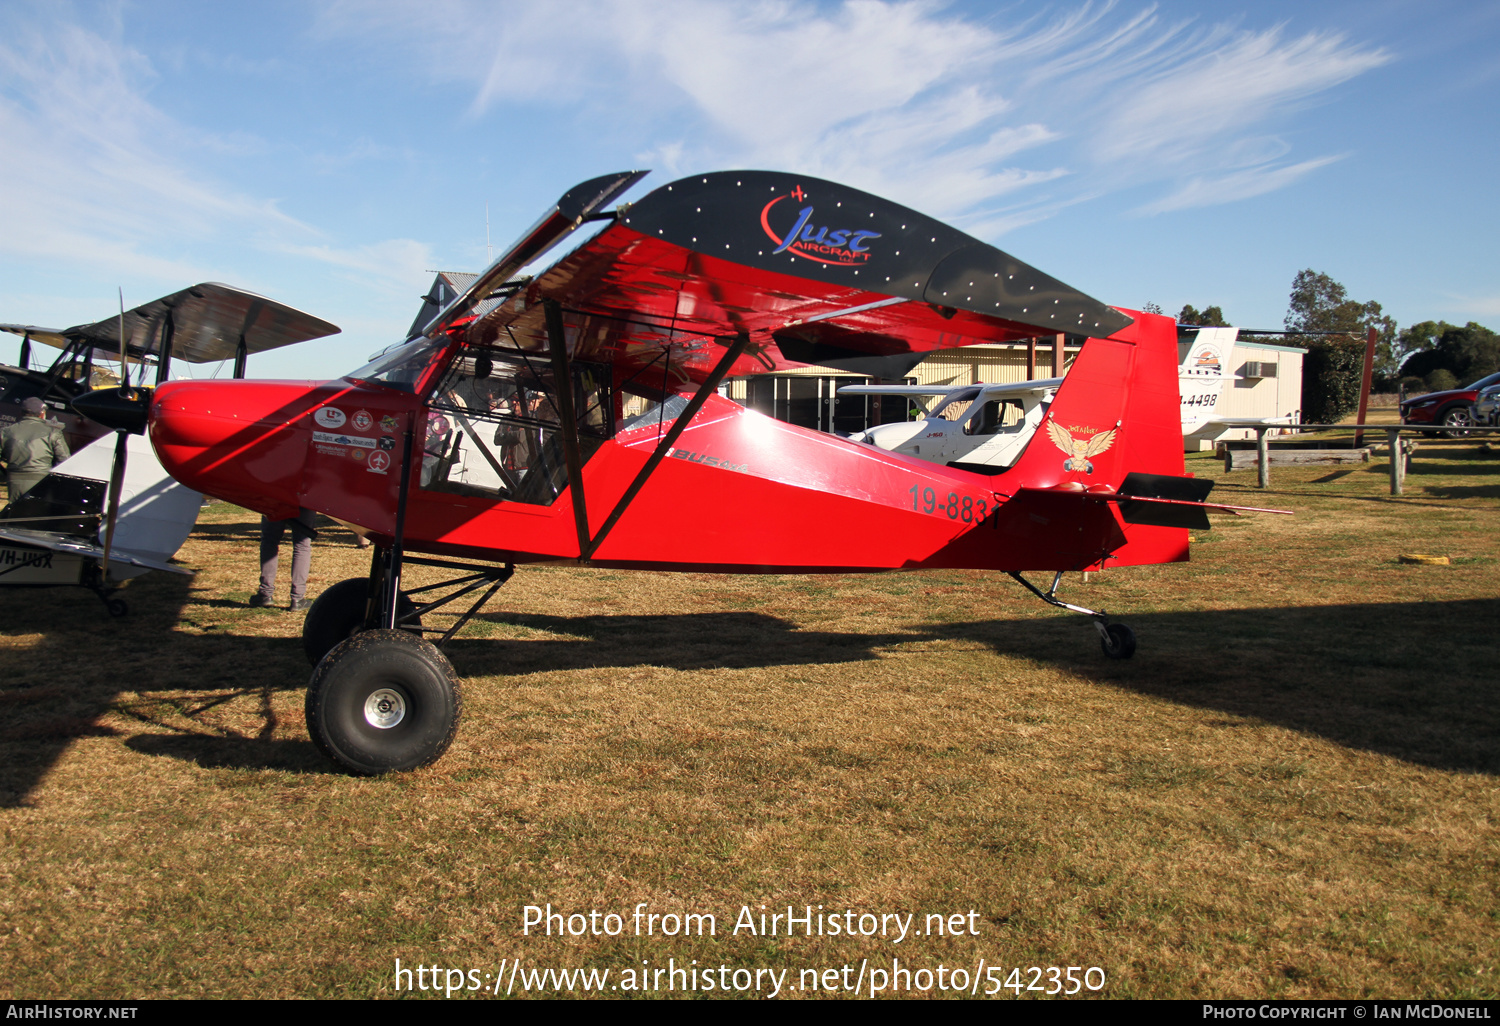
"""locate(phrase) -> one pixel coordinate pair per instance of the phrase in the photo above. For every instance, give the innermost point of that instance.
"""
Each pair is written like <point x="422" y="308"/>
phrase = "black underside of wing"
<point x="864" y="356"/>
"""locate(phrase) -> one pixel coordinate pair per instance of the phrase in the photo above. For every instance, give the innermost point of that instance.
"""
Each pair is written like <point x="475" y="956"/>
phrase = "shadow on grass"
<point x="210" y="752"/>
<point x="56" y="687"/>
<point x="243" y="531"/>
<point x="1463" y="491"/>
<point x="1414" y="681"/>
<point x="1467" y="468"/>
<point x="691" y="641"/>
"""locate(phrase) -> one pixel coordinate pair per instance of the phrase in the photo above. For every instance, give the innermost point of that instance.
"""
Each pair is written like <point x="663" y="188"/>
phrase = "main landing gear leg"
<point x="1117" y="640"/>
<point x="384" y="699"/>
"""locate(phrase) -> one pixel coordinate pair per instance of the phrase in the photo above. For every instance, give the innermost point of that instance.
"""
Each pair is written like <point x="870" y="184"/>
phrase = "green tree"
<point x="1467" y="353"/>
<point x="1332" y="370"/>
<point x="1208" y="317"/>
<point x="1441" y="380"/>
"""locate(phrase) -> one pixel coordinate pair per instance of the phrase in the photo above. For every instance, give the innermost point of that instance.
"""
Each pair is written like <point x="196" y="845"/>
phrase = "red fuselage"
<point x="739" y="492"/>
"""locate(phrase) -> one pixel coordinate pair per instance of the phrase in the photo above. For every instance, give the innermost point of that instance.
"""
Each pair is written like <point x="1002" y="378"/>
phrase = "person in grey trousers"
<point x="271" y="532"/>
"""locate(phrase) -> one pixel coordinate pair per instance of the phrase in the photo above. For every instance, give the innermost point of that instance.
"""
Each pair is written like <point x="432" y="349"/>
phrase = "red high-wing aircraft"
<point x="497" y="431"/>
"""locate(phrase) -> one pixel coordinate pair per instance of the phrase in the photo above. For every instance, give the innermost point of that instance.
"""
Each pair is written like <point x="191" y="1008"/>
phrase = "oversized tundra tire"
<point x="383" y="701"/>
<point x="339" y="613"/>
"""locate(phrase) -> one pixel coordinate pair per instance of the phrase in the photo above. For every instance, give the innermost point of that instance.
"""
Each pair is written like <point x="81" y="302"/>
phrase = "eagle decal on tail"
<point x="1079" y="450"/>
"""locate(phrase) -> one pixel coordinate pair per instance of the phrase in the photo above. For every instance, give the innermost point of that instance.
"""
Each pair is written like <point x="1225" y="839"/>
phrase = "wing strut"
<point x="565" y="413"/>
<point x="733" y="353"/>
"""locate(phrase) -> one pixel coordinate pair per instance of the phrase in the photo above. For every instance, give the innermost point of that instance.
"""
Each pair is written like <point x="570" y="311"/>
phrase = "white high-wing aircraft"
<point x="984" y="428"/>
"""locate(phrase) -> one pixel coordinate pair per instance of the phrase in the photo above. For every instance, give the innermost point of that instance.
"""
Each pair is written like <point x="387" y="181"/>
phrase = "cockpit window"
<point x="403" y="366"/>
<point x="493" y="426"/>
<point x="994" y="416"/>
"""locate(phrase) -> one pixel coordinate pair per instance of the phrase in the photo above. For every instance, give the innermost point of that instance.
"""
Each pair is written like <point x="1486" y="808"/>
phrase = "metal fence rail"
<point x="1393" y="438"/>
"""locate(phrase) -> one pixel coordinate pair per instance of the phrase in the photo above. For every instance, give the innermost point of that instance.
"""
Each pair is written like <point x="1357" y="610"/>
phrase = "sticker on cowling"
<point x="331" y="439"/>
<point x="328" y="417"/>
<point x="379" y="462"/>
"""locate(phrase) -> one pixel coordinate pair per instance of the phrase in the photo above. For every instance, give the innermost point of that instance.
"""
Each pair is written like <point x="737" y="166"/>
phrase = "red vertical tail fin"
<point x="1117" y="413"/>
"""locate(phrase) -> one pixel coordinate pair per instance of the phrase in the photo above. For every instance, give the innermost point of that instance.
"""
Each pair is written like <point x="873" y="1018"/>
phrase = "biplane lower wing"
<point x="66" y="511"/>
<point x="84" y="549"/>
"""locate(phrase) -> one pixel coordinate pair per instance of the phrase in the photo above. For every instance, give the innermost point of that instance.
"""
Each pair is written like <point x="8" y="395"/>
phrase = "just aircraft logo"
<point x="807" y="238"/>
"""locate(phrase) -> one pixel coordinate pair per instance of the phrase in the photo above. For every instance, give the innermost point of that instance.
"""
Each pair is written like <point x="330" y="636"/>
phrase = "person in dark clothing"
<point x="271" y="532"/>
<point x="31" y="447"/>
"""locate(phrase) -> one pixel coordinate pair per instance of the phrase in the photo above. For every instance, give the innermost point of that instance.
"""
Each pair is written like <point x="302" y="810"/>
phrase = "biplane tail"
<point x="65" y="511"/>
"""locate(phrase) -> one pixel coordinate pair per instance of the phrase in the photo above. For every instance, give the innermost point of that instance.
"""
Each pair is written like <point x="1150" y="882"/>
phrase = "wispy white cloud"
<point x="390" y="263"/>
<point x="910" y="99"/>
<point x="1211" y="190"/>
<point x="92" y="175"/>
<point x="99" y="179"/>
<point x="1483" y="306"/>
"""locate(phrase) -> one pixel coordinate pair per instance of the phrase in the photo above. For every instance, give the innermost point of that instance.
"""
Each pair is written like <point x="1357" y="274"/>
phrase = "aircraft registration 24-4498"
<point x="495" y="435"/>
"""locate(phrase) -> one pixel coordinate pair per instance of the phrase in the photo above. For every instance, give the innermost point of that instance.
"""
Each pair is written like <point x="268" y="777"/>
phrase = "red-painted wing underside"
<point x="698" y="261"/>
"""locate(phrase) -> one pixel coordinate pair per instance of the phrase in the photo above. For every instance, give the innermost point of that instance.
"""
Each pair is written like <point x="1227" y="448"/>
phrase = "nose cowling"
<point x="121" y="409"/>
<point x="241" y="441"/>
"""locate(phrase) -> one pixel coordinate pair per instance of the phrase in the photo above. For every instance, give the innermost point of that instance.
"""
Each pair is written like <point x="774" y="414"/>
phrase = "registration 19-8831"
<point x="954" y="506"/>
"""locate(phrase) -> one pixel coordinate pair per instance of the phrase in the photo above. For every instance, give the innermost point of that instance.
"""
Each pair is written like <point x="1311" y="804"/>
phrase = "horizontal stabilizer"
<point x="1177" y="490"/>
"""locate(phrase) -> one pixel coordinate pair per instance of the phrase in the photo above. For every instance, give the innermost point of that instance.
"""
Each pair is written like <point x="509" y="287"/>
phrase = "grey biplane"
<point x="110" y="512"/>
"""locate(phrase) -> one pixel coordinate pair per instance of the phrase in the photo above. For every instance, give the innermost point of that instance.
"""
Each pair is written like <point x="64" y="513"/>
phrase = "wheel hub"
<point x="385" y="708"/>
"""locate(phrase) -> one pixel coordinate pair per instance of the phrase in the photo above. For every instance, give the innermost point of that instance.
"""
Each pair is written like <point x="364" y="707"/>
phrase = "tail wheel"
<point x="339" y="613"/>
<point x="383" y="701"/>
<point x="1118" y="641"/>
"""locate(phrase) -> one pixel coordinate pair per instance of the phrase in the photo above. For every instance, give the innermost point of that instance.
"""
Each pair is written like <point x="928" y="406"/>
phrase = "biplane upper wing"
<point x="811" y="272"/>
<point x="51" y="336"/>
<point x="200" y="324"/>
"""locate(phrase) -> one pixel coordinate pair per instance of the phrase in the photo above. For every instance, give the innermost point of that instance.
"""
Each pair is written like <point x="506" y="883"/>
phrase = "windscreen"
<point x="403" y="366"/>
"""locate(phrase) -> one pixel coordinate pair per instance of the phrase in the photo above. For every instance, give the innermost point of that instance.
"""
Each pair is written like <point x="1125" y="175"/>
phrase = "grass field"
<point x="1292" y="790"/>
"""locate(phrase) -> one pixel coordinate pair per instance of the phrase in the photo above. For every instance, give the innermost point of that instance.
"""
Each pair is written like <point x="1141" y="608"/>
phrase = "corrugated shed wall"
<point x="1280" y="396"/>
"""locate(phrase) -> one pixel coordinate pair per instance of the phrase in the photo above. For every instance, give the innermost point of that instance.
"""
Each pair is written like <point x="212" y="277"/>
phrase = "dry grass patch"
<point x="1290" y="791"/>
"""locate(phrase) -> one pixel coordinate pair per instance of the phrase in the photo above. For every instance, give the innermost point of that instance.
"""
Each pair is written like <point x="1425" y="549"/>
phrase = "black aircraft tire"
<point x="339" y="613"/>
<point x="383" y="701"/>
<point x="1118" y="642"/>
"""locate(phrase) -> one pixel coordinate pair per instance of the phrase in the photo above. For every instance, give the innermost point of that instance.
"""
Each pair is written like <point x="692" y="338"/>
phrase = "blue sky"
<point x="328" y="154"/>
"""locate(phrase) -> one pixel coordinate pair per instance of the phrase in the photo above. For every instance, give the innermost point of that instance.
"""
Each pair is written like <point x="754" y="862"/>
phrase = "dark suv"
<point x="1451" y="409"/>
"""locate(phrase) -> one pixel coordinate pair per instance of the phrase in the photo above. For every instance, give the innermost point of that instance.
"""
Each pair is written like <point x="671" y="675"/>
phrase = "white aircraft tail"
<point x="1202" y="374"/>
